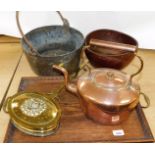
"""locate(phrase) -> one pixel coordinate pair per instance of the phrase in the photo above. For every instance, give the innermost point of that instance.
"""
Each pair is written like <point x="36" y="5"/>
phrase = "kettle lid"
<point x="108" y="88"/>
<point x="110" y="78"/>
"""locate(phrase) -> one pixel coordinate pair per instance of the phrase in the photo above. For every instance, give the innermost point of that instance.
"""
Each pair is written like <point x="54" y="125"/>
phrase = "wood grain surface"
<point x="74" y="126"/>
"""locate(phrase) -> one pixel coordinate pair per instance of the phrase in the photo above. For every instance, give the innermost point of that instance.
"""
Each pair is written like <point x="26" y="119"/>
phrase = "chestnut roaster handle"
<point x="118" y="46"/>
<point x="112" y="45"/>
<point x="128" y="48"/>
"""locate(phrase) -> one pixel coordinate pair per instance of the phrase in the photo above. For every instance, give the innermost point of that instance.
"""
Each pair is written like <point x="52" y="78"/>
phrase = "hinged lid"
<point x="110" y="78"/>
<point x="34" y="113"/>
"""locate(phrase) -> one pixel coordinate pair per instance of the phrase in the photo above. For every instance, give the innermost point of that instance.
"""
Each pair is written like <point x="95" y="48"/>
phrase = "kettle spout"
<point x="69" y="86"/>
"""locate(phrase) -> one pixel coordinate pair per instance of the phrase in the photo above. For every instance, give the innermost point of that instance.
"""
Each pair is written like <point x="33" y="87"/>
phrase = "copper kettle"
<point x="107" y="95"/>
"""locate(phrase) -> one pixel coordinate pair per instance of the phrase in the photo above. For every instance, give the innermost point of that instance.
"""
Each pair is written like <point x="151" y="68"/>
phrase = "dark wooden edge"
<point x="38" y="79"/>
<point x="9" y="133"/>
<point x="148" y="136"/>
<point x="144" y="123"/>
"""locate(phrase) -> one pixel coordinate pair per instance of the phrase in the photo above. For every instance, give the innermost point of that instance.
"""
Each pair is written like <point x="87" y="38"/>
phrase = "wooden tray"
<point x="74" y="126"/>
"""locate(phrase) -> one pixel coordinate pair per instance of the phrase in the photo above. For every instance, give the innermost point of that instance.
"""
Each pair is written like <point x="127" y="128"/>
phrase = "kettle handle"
<point x="32" y="49"/>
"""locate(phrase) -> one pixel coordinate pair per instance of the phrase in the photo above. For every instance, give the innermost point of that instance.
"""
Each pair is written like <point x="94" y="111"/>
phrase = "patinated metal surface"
<point x="50" y="45"/>
<point x="54" y="47"/>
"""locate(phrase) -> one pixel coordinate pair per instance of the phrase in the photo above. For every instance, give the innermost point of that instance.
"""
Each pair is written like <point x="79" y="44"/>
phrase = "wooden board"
<point x="74" y="126"/>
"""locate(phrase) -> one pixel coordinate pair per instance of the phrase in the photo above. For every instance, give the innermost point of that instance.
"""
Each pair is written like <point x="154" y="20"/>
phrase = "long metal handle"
<point x="140" y="68"/>
<point x="138" y="71"/>
<point x="112" y="45"/>
<point x="32" y="49"/>
<point x="119" y="46"/>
